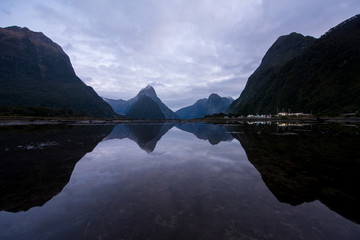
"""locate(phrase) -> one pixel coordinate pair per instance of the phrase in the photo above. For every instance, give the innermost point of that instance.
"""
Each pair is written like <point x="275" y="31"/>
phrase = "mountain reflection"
<point x="36" y="162"/>
<point x="213" y="133"/>
<point x="302" y="166"/>
<point x="298" y="164"/>
<point x="187" y="189"/>
<point x="145" y="135"/>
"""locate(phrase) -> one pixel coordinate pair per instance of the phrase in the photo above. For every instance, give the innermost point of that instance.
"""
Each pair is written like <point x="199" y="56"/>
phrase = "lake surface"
<point x="189" y="181"/>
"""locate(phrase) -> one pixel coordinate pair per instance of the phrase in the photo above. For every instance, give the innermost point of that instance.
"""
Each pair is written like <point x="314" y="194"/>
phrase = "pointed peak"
<point x="149" y="87"/>
<point x="148" y="91"/>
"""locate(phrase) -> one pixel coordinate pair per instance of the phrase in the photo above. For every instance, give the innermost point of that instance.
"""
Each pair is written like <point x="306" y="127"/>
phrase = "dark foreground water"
<point x="192" y="181"/>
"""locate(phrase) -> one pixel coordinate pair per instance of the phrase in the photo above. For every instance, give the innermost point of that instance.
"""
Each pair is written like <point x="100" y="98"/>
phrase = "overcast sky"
<point x="186" y="49"/>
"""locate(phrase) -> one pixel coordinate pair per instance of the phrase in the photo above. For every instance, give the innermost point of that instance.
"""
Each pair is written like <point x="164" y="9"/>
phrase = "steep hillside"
<point x="282" y="51"/>
<point x="323" y="79"/>
<point x="35" y="71"/>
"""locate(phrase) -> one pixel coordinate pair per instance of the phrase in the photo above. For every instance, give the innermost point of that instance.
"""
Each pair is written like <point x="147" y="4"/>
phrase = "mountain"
<point x="206" y="106"/>
<point x="146" y="105"/>
<point x="197" y="110"/>
<point x="307" y="75"/>
<point x="282" y="51"/>
<point x="36" y="72"/>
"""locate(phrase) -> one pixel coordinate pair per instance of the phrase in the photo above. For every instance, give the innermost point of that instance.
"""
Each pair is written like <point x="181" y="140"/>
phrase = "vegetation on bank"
<point x="35" y="111"/>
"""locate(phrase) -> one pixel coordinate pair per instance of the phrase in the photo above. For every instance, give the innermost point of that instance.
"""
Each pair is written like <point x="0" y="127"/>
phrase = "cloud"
<point x="186" y="49"/>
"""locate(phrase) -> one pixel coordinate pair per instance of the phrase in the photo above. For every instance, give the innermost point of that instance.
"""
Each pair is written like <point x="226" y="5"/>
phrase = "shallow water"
<point x="192" y="181"/>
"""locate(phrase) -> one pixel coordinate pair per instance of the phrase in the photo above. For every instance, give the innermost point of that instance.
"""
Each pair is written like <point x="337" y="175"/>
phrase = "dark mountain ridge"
<point x="35" y="71"/>
<point x="205" y="106"/>
<point x="321" y="76"/>
<point x="282" y="51"/>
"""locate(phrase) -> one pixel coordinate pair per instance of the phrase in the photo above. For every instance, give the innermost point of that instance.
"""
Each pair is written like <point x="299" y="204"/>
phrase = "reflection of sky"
<point x="172" y="150"/>
<point x="118" y="189"/>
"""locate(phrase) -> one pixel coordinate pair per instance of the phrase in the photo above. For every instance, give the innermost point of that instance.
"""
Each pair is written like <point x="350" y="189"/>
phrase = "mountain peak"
<point x="286" y="48"/>
<point x="146" y="105"/>
<point x="149" y="87"/>
<point x="148" y="91"/>
<point x="214" y="96"/>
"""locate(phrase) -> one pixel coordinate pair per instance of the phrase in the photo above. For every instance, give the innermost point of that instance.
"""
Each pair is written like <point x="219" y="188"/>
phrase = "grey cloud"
<point x="186" y="49"/>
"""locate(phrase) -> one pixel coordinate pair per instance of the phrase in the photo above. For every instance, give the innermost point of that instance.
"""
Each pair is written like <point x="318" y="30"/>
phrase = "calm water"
<point x="192" y="181"/>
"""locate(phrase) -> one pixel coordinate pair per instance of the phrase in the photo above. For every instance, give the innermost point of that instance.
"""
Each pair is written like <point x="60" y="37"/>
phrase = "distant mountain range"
<point x="36" y="72"/>
<point x="206" y="106"/>
<point x="304" y="74"/>
<point x="145" y="105"/>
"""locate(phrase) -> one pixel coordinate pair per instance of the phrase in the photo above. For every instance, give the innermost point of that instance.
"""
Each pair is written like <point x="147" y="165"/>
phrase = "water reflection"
<point x="213" y="133"/>
<point x="145" y="135"/>
<point x="37" y="161"/>
<point x="185" y="188"/>
<point x="320" y="162"/>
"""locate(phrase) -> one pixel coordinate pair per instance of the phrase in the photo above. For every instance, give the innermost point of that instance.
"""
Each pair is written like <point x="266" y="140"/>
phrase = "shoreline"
<point x="14" y="121"/>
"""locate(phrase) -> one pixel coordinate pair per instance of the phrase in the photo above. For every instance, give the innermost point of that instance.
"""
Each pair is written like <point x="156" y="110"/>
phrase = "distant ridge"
<point x="205" y="106"/>
<point x="36" y="72"/>
<point x="145" y="105"/>
<point x="303" y="74"/>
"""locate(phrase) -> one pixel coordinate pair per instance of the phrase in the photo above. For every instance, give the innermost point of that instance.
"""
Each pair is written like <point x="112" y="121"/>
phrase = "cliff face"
<point x="35" y="71"/>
